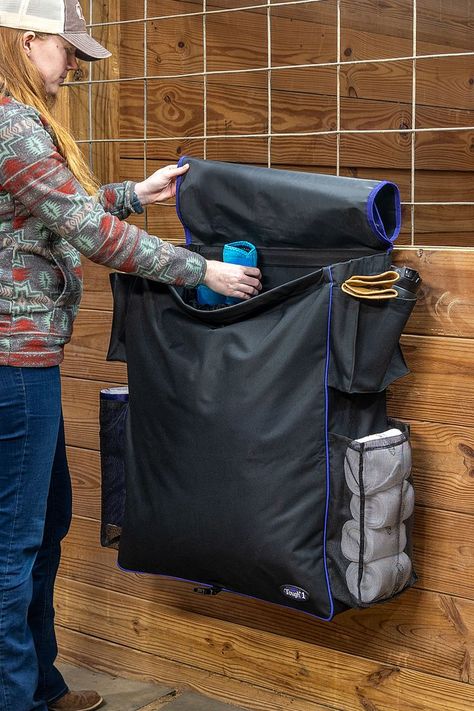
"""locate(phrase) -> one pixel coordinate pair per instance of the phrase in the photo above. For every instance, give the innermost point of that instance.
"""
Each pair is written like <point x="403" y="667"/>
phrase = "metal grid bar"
<point x="269" y="85"/>
<point x="89" y="94"/>
<point x="221" y="11"/>
<point x="338" y="90"/>
<point x="408" y="58"/>
<point x="413" y="125"/>
<point x="145" y="100"/>
<point x="205" y="73"/>
<point x="266" y="134"/>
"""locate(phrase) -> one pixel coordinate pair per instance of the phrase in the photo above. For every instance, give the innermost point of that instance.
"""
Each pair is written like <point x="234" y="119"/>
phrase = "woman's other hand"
<point x="161" y="185"/>
<point x="233" y="279"/>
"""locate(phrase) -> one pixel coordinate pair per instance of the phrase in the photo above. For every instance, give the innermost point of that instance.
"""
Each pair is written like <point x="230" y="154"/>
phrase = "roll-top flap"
<point x="221" y="202"/>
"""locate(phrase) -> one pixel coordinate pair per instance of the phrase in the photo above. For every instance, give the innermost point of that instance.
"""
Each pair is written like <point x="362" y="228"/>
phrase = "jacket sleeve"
<point x="119" y="199"/>
<point x="36" y="175"/>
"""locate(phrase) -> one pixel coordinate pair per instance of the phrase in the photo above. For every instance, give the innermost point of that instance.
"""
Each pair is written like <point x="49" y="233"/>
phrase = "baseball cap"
<point x="56" y="17"/>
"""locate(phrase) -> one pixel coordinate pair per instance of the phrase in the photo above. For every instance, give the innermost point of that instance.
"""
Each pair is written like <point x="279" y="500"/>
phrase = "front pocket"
<point x="365" y="353"/>
<point x="313" y="283"/>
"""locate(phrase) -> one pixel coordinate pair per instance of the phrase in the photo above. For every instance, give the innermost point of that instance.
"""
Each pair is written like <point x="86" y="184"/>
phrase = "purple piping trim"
<point x="179" y="180"/>
<point x="226" y="590"/>
<point x="376" y="224"/>
<point x="326" y="438"/>
<point x="278" y="604"/>
<point x="114" y="396"/>
<point x="167" y="577"/>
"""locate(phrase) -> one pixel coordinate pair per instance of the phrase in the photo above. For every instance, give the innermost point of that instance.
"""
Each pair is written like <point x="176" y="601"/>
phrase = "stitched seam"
<point x="361" y="523"/>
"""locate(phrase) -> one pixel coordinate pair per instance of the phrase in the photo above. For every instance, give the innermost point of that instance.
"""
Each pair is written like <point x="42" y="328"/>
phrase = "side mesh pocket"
<point x="112" y="417"/>
<point x="372" y="549"/>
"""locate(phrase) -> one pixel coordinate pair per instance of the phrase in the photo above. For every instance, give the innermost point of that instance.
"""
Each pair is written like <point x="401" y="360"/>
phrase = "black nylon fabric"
<point x="239" y="417"/>
<point x="214" y="477"/>
<point x="224" y="202"/>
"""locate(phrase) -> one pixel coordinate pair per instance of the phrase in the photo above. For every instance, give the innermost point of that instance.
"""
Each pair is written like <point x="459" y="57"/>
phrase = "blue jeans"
<point x="35" y="514"/>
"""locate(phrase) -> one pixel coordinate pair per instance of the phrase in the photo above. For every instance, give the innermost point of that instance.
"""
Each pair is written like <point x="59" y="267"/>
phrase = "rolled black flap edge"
<point x="219" y="202"/>
<point x="384" y="211"/>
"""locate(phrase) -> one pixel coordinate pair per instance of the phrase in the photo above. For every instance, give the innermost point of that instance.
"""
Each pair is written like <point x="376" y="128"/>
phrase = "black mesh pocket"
<point x="370" y="545"/>
<point x="113" y="415"/>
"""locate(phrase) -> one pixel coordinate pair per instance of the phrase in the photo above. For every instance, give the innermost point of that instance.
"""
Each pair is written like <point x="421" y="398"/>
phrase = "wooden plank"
<point x="97" y="291"/>
<point x="157" y="8"/>
<point x="174" y="45"/>
<point x="444" y="548"/>
<point x="440" y="387"/>
<point x="315" y="81"/>
<point x="163" y="151"/>
<point x="386" y="150"/>
<point x="238" y="150"/>
<point x="294" y="111"/>
<point x="444" y="24"/>
<point x="301" y="34"/>
<point x="229" y="4"/>
<point x="445" y="81"/>
<point x="443" y="466"/>
<point x="446" y="301"/>
<point x="304" y="150"/>
<point x="84" y="466"/>
<point x="381" y="30"/>
<point x="422" y="630"/>
<point x="175" y="107"/>
<point x="61" y="109"/>
<point x="443" y="186"/>
<point x="237" y="40"/>
<point x="361" y="115"/>
<point x="304" y="34"/>
<point x="108" y="123"/>
<point x="235" y="107"/>
<point x="114" y="11"/>
<point x="106" y="114"/>
<point x="85" y="356"/>
<point x="442" y="117"/>
<point x="389" y="81"/>
<point x="80" y="400"/>
<point x="376" y="32"/>
<point x="442" y="235"/>
<point x="102" y="655"/>
<point x="131" y="53"/>
<point x="108" y="35"/>
<point x="445" y="150"/>
<point x="271" y="661"/>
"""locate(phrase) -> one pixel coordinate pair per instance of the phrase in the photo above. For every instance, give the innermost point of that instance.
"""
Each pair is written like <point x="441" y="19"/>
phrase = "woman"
<point x="50" y="211"/>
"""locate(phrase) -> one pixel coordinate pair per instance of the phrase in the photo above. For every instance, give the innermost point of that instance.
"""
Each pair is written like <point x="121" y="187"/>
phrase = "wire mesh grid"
<point x="271" y="69"/>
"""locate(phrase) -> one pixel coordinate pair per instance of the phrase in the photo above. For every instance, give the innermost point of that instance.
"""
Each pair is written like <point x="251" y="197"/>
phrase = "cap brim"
<point x="87" y="47"/>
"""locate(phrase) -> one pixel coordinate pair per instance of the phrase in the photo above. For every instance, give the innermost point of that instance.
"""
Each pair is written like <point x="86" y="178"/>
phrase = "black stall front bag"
<point x="259" y="456"/>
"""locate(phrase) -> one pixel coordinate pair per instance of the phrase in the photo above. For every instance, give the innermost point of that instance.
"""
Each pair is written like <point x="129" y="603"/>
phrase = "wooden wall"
<point x="415" y="653"/>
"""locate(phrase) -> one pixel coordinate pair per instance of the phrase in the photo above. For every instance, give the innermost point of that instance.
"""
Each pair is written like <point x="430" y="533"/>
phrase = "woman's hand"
<point x="159" y="186"/>
<point x="233" y="279"/>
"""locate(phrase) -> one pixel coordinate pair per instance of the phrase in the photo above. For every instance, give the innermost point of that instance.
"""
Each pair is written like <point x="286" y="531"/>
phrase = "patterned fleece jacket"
<point x="46" y="221"/>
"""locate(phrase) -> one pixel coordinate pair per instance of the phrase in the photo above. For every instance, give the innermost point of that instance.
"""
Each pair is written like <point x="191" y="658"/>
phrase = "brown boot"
<point x="77" y="701"/>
